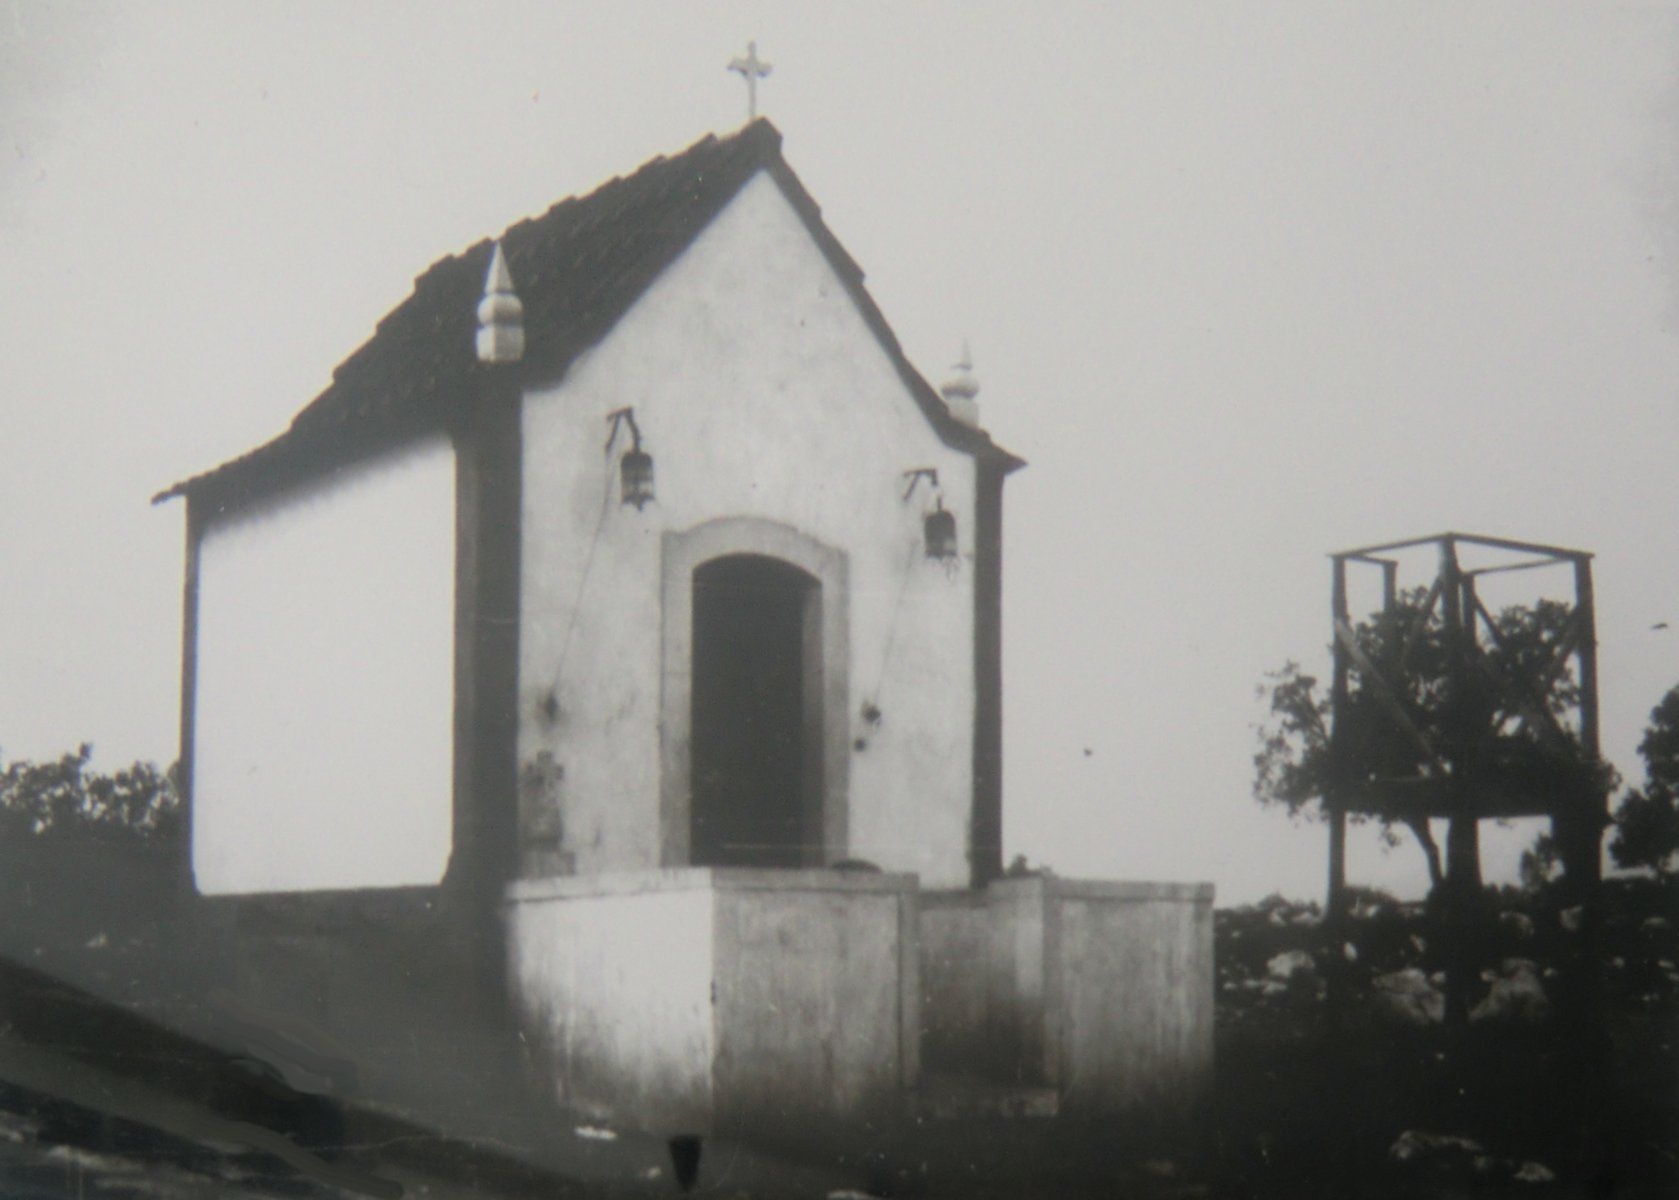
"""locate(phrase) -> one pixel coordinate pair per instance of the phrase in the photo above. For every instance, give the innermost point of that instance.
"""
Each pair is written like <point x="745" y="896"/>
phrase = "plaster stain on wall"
<point x="541" y="819"/>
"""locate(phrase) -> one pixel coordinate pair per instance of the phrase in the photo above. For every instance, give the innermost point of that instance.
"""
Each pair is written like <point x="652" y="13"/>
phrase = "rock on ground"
<point x="1518" y="923"/>
<point x="1416" y="1144"/>
<point x="1516" y="995"/>
<point x="1408" y="998"/>
<point x="1289" y="964"/>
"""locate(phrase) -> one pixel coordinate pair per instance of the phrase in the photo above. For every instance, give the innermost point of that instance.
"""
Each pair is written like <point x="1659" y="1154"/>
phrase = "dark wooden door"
<point x="749" y="726"/>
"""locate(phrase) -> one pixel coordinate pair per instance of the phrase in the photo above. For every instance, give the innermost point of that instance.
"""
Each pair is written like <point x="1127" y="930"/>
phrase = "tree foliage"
<point x="1647" y="820"/>
<point x="65" y="799"/>
<point x="1293" y="759"/>
<point x="1409" y="648"/>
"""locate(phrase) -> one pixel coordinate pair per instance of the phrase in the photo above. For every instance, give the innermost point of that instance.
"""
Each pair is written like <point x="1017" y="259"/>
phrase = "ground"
<point x="1306" y="1109"/>
<point x="1384" y="1103"/>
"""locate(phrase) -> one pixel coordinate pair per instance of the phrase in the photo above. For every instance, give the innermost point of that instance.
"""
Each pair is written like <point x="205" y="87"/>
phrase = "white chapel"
<point x="609" y="661"/>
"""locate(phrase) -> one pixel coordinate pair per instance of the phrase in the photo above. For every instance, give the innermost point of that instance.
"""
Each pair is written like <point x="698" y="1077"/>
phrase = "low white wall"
<point x="612" y="978"/>
<point x="982" y="983"/>
<point x="1131" y="987"/>
<point x="1104" y="990"/>
<point x="816" y="1001"/>
<point x="693" y="1000"/>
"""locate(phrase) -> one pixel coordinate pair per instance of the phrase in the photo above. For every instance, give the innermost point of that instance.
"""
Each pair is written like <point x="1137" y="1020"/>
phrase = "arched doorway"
<point x="755" y="758"/>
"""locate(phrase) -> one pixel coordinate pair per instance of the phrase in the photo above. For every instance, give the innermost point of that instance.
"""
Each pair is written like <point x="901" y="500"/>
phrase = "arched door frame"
<point x="827" y="675"/>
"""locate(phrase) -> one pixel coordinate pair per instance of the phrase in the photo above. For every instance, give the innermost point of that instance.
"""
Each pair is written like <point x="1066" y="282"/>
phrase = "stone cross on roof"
<point x="751" y="68"/>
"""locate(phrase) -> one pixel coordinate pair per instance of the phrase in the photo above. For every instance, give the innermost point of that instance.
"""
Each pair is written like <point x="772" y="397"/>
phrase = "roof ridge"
<point x="578" y="267"/>
<point x="483" y="244"/>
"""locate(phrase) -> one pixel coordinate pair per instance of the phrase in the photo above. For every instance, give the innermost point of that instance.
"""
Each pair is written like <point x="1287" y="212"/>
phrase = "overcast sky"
<point x="1245" y="283"/>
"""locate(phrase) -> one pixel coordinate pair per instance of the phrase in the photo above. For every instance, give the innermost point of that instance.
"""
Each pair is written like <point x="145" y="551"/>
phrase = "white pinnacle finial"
<point x="751" y="68"/>
<point x="501" y="315"/>
<point x="961" y="388"/>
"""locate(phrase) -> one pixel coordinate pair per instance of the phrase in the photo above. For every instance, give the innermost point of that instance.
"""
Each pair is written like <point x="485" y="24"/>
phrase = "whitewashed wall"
<point x="761" y="393"/>
<point x="1103" y="990"/>
<point x="613" y="980"/>
<point x="701" y="1001"/>
<point x="323" y="715"/>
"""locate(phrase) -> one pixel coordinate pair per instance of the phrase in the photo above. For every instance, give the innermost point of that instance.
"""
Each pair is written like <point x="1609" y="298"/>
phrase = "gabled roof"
<point x="578" y="268"/>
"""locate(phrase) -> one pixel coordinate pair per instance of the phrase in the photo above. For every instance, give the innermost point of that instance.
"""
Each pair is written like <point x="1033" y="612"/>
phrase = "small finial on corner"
<point x="501" y="315"/>
<point x="960" y="390"/>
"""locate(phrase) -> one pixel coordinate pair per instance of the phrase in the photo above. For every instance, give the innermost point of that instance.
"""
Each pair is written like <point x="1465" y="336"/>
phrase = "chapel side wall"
<point x="367" y="948"/>
<point x="322" y="617"/>
<point x="760" y="393"/>
<point x="611" y="979"/>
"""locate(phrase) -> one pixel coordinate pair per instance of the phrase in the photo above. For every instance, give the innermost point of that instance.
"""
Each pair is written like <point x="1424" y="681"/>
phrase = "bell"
<point x="636" y="473"/>
<point x="941" y="534"/>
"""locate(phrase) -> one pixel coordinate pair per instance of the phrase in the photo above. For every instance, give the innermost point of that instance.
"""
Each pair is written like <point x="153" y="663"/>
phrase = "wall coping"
<point x="1072" y="889"/>
<point x="722" y="879"/>
<point x="743" y="879"/>
<point x="1102" y="889"/>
